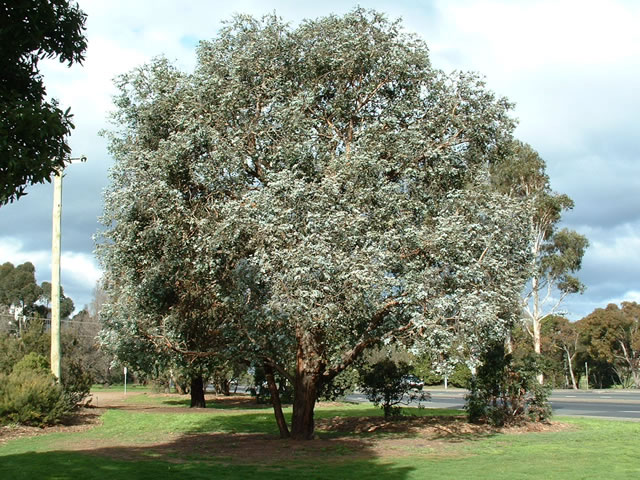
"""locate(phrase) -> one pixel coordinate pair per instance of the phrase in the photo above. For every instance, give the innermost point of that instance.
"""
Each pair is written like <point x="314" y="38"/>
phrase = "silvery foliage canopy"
<point x="323" y="183"/>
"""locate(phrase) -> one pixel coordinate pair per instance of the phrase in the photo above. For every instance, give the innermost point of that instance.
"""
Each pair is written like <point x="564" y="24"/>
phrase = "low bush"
<point x="384" y="385"/>
<point x="76" y="382"/>
<point x="507" y="392"/>
<point x="461" y="376"/>
<point x="29" y="395"/>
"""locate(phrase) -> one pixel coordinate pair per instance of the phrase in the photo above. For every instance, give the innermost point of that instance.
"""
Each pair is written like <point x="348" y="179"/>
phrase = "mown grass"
<point x="131" y="388"/>
<point x="591" y="449"/>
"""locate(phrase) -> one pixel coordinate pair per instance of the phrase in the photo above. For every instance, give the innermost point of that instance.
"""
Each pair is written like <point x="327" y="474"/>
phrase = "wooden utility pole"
<point x="55" y="274"/>
<point x="55" y="268"/>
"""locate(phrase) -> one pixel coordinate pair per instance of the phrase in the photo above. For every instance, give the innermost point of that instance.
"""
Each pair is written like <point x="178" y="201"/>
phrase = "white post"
<point x="55" y="274"/>
<point x="586" y="373"/>
<point x="125" y="380"/>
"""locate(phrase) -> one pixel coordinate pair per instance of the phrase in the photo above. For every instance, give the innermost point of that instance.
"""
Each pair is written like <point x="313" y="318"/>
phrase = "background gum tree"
<point x="307" y="194"/>
<point x="611" y="336"/>
<point x="22" y="299"/>
<point x="563" y="337"/>
<point x="556" y="255"/>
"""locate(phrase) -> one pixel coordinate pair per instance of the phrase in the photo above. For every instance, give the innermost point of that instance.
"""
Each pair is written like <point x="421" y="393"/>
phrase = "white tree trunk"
<point x="574" y="385"/>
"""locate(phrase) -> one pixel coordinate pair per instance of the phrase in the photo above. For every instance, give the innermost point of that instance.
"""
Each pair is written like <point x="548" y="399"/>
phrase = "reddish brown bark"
<point x="305" y="393"/>
<point x="309" y="370"/>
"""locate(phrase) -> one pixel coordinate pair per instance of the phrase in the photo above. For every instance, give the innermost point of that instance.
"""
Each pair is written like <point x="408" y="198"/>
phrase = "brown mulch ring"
<point x="83" y="420"/>
<point x="402" y="436"/>
<point x="449" y="427"/>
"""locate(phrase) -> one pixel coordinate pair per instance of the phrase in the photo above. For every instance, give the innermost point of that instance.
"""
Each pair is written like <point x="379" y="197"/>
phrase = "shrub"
<point x="31" y="362"/>
<point x="76" y="382"/>
<point x="340" y="386"/>
<point x="30" y="394"/>
<point x="423" y="369"/>
<point x="384" y="385"/>
<point x="461" y="376"/>
<point x="507" y="392"/>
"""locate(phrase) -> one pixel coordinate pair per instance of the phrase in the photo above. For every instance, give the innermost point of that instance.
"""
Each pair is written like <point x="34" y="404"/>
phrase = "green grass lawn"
<point x="146" y="444"/>
<point x="131" y="388"/>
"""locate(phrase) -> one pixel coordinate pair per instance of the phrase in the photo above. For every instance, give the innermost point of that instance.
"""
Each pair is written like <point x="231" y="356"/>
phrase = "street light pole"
<point x="55" y="269"/>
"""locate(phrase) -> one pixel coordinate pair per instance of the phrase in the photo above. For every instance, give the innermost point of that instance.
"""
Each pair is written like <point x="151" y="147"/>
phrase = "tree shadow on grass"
<point x="245" y="445"/>
<point x="217" y="455"/>
<point x="235" y="402"/>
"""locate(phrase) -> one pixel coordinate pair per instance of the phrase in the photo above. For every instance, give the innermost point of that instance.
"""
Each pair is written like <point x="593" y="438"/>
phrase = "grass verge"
<point x="238" y="443"/>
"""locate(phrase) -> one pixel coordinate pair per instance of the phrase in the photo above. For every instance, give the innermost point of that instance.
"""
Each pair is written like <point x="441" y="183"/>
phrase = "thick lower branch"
<point x="366" y="341"/>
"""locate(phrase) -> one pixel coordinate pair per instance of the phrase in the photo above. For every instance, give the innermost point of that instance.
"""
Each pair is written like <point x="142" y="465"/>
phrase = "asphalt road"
<point x="591" y="403"/>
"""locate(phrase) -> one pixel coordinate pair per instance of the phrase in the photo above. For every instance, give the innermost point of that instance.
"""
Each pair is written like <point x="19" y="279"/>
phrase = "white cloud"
<point x="80" y="269"/>
<point x="630" y="296"/>
<point x="11" y="251"/>
<point x="619" y="250"/>
<point x="571" y="66"/>
<point x="529" y="36"/>
<point x="616" y="246"/>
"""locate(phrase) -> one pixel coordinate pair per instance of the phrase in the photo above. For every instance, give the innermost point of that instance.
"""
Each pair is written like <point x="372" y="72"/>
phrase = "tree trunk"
<point x="222" y="385"/>
<point x="573" y="377"/>
<point x="180" y="388"/>
<point x="537" y="344"/>
<point x="305" y="392"/>
<point x="535" y="316"/>
<point x="636" y="377"/>
<point x="275" y="401"/>
<point x="309" y="368"/>
<point x="197" y="392"/>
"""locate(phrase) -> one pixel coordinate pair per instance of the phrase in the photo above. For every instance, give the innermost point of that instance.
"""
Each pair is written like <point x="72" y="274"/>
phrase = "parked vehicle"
<point x="413" y="382"/>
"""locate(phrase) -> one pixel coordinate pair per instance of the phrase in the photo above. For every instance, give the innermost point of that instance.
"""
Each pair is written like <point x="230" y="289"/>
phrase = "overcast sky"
<point x="571" y="67"/>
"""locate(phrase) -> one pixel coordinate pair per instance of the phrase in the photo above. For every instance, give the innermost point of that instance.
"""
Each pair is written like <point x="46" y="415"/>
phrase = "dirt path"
<point x="112" y="399"/>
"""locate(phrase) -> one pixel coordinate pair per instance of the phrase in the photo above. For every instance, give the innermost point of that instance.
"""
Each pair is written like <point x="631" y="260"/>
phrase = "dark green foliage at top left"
<point x="32" y="129"/>
<point x="13" y="348"/>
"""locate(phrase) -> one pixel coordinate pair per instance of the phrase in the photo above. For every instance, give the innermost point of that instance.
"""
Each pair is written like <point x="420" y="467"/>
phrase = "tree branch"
<point x="365" y="341"/>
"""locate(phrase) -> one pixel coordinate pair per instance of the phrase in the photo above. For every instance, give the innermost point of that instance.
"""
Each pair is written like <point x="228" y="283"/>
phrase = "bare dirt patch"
<point x="438" y="426"/>
<point x="424" y="435"/>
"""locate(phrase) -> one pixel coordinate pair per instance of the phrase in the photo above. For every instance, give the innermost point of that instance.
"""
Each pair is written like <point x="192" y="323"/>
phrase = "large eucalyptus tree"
<point x="308" y="193"/>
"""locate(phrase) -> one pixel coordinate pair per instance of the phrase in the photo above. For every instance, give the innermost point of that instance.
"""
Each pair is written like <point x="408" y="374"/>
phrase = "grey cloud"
<point x="30" y="217"/>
